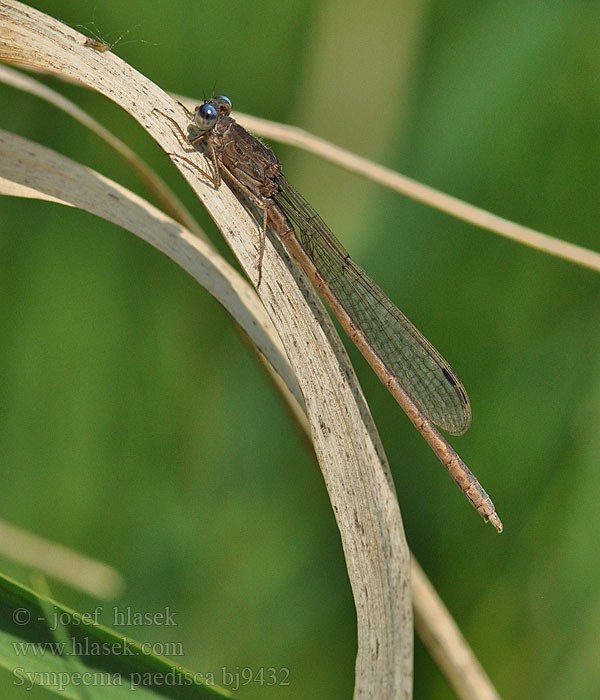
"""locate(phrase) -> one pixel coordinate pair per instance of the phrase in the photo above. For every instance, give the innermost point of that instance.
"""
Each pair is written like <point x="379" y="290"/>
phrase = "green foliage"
<point x="71" y="655"/>
<point x="137" y="428"/>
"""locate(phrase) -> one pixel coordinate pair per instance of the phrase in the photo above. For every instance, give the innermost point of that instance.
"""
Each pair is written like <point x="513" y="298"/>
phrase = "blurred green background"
<point x="136" y="427"/>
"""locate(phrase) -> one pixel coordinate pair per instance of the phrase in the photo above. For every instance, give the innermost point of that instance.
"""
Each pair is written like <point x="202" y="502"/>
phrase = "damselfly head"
<point x="205" y="116"/>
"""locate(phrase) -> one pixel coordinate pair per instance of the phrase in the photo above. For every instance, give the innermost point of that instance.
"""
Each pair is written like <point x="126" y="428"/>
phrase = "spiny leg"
<point x="261" y="245"/>
<point x="263" y="204"/>
<point x="188" y="114"/>
<point x="177" y="128"/>
<point x="184" y="138"/>
<point x="214" y="180"/>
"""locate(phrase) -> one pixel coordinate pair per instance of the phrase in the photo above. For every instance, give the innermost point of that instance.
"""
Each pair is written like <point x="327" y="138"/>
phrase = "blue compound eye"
<point x="222" y="104"/>
<point x="205" y="117"/>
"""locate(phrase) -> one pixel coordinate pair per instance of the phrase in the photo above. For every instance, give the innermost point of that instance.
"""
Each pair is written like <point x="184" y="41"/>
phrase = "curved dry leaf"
<point x="434" y="624"/>
<point x="14" y="189"/>
<point x="345" y="440"/>
<point x="30" y="170"/>
<point x="159" y="188"/>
